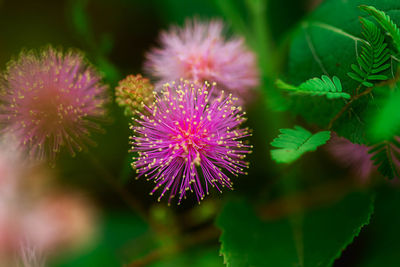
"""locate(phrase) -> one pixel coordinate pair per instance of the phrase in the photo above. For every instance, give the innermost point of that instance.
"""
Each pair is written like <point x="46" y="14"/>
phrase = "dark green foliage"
<point x="386" y="22"/>
<point x="97" y="49"/>
<point x="113" y="246"/>
<point x="385" y="122"/>
<point x="385" y="155"/>
<point x="373" y="58"/>
<point x="325" y="44"/>
<point x="314" y="239"/>
<point x="198" y="256"/>
<point x="384" y="126"/>
<point x="293" y="143"/>
<point x="331" y="88"/>
<point x="380" y="240"/>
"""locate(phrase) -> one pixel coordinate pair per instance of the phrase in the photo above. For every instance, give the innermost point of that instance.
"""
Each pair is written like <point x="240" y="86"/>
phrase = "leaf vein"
<point x="312" y="49"/>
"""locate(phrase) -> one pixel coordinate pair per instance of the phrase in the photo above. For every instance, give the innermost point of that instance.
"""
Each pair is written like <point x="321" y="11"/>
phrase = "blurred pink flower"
<point x="49" y="100"/>
<point x="353" y="156"/>
<point x="30" y="257"/>
<point x="58" y="220"/>
<point x="34" y="213"/>
<point x="200" y="52"/>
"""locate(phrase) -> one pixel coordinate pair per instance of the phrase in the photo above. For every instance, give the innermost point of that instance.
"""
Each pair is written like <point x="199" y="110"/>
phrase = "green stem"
<point x="235" y="18"/>
<point x="263" y="40"/>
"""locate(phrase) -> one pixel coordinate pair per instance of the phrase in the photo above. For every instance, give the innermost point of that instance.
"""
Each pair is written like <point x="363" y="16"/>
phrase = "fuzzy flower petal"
<point x="49" y="100"/>
<point x="186" y="142"/>
<point x="200" y="52"/>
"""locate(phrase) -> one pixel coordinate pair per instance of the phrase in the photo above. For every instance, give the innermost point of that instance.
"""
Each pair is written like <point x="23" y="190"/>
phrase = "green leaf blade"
<point x="247" y="240"/>
<point x="331" y="88"/>
<point x="292" y="143"/>
<point x="380" y="241"/>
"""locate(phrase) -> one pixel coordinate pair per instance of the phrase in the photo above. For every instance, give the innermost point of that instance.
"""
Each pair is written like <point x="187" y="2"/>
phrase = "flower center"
<point x="199" y="66"/>
<point x="52" y="110"/>
<point x="192" y="140"/>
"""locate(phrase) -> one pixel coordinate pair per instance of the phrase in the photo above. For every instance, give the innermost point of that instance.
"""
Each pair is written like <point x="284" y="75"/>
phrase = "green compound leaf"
<point x="293" y="143"/>
<point x="327" y="42"/>
<point x="373" y="58"/>
<point x="332" y="89"/>
<point x="386" y="156"/>
<point x="314" y="239"/>
<point x="386" y="22"/>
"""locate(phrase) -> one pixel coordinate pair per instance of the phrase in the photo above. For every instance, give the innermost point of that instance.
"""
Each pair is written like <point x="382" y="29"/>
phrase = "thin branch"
<point x="345" y="107"/>
<point x="202" y="236"/>
<point x="366" y="92"/>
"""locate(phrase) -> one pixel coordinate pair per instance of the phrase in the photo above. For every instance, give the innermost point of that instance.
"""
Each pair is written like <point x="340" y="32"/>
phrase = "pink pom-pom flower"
<point x="50" y="99"/>
<point x="186" y="142"/>
<point x="200" y="52"/>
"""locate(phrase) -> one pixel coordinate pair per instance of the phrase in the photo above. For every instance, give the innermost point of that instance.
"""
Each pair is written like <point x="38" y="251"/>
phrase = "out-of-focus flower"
<point x="58" y="220"/>
<point x="200" y="52"/>
<point x="47" y="219"/>
<point x="132" y="91"/>
<point x="186" y="142"/>
<point x="49" y="100"/>
<point x="353" y="156"/>
<point x="30" y="257"/>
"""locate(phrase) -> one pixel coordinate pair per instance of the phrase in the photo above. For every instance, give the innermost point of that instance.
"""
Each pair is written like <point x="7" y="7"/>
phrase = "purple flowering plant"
<point x="265" y="132"/>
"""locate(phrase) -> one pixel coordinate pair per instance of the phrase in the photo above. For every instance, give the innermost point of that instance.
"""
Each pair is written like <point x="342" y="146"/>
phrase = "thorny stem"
<point x="345" y="107"/>
<point x="357" y="96"/>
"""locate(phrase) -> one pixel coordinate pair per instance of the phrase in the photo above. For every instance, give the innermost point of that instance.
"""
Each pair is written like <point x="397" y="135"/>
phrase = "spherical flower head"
<point x="200" y="52"/>
<point x="51" y="99"/>
<point x="186" y="142"/>
<point x="132" y="91"/>
<point x="353" y="156"/>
